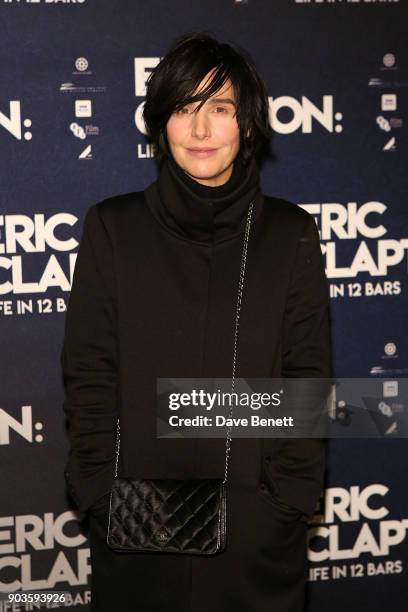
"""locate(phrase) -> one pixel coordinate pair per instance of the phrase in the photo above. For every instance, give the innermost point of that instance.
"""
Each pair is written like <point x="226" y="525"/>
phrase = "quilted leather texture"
<point x="177" y="516"/>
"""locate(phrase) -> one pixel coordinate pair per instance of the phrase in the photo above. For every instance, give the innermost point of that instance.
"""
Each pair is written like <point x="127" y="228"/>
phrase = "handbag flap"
<point x="183" y="516"/>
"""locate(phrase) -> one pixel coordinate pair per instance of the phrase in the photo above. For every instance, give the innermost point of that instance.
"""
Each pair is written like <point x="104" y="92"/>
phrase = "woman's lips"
<point x="201" y="153"/>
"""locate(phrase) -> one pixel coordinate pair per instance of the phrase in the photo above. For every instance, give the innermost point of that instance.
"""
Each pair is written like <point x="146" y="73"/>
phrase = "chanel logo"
<point x="162" y="536"/>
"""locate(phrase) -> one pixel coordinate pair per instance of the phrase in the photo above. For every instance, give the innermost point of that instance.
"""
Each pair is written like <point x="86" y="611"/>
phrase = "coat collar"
<point x="204" y="214"/>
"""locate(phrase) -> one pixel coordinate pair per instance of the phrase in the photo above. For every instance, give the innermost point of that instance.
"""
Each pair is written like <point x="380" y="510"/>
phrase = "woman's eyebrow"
<point x="222" y="100"/>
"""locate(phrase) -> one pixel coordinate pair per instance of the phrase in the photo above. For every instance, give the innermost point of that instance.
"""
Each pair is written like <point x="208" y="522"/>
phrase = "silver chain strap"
<point x="237" y="318"/>
<point x="234" y="358"/>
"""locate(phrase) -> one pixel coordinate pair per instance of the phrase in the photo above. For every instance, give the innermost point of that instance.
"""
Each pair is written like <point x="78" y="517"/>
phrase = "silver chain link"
<point x="117" y="447"/>
<point x="234" y="358"/>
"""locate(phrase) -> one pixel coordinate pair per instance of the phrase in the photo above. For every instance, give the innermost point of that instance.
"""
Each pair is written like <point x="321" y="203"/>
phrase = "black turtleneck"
<point x="202" y="213"/>
<point x="211" y="193"/>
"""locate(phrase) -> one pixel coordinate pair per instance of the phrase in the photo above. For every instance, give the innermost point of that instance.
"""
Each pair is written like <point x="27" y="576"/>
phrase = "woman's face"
<point x="205" y="143"/>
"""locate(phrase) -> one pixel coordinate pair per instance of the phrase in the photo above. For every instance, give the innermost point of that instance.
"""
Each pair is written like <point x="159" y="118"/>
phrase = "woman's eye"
<point x="186" y="110"/>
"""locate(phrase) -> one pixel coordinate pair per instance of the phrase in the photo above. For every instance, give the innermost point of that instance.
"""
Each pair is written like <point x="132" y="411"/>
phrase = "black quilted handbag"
<point x="174" y="516"/>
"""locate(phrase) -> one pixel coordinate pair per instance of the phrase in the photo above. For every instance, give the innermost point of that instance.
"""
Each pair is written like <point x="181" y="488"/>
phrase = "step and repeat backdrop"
<point x="72" y="89"/>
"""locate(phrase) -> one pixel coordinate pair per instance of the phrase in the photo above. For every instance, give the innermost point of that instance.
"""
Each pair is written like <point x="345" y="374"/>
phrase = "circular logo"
<point x="390" y="348"/>
<point x="385" y="409"/>
<point x="81" y="63"/>
<point x="389" y="60"/>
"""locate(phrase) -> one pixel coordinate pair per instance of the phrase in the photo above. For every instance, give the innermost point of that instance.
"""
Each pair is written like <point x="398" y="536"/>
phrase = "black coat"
<point x="154" y="295"/>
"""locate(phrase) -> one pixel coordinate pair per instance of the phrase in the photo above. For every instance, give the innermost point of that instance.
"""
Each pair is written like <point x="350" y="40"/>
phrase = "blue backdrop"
<point x="72" y="85"/>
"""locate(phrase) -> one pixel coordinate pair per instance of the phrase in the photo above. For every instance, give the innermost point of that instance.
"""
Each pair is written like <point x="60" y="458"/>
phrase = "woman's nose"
<point x="200" y="126"/>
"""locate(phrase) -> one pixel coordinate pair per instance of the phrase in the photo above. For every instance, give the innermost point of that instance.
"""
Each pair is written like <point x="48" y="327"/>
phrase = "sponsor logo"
<point x="83" y="108"/>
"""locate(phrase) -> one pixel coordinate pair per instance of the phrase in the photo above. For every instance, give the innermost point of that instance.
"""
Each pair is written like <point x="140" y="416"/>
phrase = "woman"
<point x="154" y="295"/>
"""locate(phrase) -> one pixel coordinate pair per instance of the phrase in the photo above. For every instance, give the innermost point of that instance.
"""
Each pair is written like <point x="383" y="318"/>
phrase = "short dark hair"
<point x="172" y="82"/>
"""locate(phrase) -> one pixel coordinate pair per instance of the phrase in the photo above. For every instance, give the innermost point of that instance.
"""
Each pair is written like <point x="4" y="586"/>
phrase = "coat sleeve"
<point x="306" y="353"/>
<point x="89" y="361"/>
